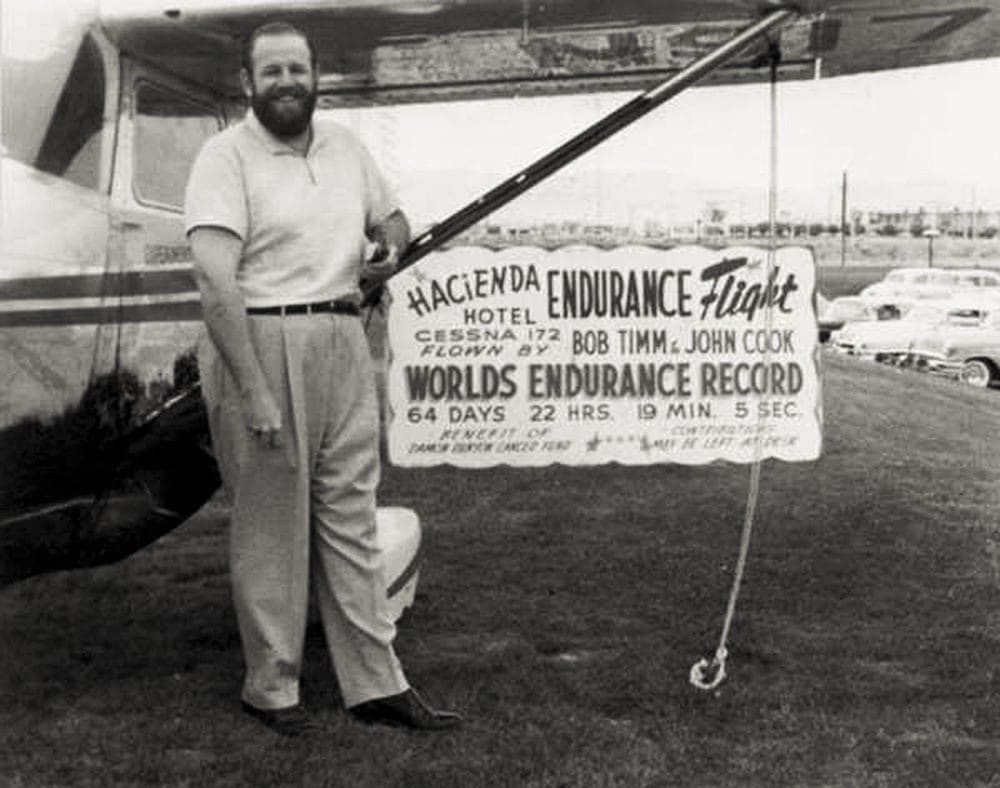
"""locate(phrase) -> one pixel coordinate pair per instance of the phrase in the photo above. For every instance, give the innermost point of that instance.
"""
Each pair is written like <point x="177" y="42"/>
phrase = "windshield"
<point x="53" y="97"/>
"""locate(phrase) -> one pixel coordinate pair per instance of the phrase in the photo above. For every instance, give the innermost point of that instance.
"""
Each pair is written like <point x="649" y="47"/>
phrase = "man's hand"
<point x="381" y="263"/>
<point x="262" y="417"/>
<point x="388" y="238"/>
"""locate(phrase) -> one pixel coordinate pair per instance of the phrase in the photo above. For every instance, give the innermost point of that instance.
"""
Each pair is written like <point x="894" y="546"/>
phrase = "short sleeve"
<point x="215" y="194"/>
<point x="380" y="200"/>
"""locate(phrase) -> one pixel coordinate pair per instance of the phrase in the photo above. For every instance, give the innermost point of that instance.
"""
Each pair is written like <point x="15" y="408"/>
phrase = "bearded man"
<point x="280" y="209"/>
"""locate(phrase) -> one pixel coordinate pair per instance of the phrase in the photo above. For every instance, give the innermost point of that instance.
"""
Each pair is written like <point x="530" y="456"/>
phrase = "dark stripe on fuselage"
<point x="404" y="577"/>
<point x="126" y="313"/>
<point x="128" y="283"/>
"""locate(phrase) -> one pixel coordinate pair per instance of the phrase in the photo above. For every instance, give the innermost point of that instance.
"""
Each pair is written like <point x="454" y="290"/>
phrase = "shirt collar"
<point x="275" y="145"/>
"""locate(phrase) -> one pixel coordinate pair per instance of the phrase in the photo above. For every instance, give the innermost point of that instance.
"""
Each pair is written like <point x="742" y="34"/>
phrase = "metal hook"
<point x="707" y="675"/>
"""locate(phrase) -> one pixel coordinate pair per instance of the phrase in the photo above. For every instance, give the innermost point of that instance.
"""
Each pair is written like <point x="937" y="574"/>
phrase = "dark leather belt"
<point x="317" y="307"/>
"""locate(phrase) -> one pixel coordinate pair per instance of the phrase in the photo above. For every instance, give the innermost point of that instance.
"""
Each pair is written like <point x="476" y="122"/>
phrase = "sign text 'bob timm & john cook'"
<point x="582" y="356"/>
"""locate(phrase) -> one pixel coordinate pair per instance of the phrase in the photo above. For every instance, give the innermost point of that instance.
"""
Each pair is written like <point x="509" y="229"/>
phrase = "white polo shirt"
<point x="302" y="219"/>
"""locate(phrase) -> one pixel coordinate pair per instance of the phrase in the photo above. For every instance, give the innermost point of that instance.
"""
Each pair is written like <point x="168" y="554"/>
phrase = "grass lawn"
<point x="560" y="609"/>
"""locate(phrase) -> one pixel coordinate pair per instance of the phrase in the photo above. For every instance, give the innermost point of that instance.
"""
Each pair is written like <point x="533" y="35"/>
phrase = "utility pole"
<point x="843" y="220"/>
<point x="930" y="234"/>
<point x="972" y="216"/>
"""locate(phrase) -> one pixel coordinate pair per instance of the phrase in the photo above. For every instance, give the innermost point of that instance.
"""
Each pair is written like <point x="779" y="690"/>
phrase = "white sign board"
<point x="581" y="356"/>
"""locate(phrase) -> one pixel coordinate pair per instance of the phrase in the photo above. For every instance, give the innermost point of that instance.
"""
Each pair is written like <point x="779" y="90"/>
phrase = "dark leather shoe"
<point x="408" y="710"/>
<point x="290" y="721"/>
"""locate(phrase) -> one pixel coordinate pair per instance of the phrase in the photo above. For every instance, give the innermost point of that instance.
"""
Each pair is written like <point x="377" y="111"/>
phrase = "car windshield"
<point x="850" y="308"/>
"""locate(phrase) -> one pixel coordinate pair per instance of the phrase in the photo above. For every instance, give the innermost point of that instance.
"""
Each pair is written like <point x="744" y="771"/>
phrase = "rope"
<point x="705" y="674"/>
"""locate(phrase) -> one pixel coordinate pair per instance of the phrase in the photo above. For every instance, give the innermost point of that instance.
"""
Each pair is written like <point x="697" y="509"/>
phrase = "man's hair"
<point x="275" y="29"/>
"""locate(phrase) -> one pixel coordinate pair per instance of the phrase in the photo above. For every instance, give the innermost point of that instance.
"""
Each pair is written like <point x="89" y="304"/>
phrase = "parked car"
<point x="966" y="345"/>
<point x="902" y="287"/>
<point x="831" y="315"/>
<point x="888" y="340"/>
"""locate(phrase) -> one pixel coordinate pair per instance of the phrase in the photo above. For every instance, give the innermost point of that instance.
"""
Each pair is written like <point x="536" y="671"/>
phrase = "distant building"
<point x="956" y="222"/>
<point x="968" y="223"/>
<point x="552" y="233"/>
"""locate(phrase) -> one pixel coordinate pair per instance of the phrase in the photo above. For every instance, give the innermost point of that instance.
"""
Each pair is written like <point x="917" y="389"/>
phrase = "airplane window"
<point x="71" y="147"/>
<point x="170" y="129"/>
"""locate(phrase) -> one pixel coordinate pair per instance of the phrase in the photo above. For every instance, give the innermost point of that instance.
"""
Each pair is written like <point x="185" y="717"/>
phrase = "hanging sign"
<point x="582" y="356"/>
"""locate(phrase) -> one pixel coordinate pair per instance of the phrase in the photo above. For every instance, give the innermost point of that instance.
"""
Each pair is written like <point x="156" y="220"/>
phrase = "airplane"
<point x="103" y="439"/>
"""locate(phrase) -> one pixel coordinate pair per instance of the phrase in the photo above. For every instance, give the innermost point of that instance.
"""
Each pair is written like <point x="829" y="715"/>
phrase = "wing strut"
<point x="558" y="158"/>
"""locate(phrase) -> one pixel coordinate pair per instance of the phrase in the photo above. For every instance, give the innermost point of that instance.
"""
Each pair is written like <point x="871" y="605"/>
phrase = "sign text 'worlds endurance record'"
<point x="581" y="356"/>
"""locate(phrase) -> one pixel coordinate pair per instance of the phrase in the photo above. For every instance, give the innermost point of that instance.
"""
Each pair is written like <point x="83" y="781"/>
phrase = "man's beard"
<point x="284" y="121"/>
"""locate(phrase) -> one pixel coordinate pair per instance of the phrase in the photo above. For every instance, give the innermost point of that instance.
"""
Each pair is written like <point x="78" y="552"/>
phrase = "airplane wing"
<point x="395" y="51"/>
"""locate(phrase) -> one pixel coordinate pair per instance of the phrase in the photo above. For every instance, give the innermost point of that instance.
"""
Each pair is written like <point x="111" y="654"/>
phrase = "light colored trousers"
<point x="309" y="504"/>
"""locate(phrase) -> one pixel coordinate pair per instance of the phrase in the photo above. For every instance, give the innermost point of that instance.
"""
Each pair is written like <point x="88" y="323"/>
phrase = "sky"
<point x="911" y="138"/>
